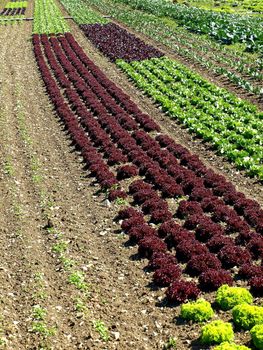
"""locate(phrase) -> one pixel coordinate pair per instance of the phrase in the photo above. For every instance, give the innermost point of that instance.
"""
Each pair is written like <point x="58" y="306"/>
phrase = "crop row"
<point x="116" y="43"/>
<point x="222" y="27"/>
<point x="16" y="4"/>
<point x="81" y="12"/>
<point x="13" y="12"/>
<point x="14" y="8"/>
<point x="199" y="51"/>
<point x="109" y="129"/>
<point x="237" y="67"/>
<point x="232" y="126"/>
<point x="48" y="18"/>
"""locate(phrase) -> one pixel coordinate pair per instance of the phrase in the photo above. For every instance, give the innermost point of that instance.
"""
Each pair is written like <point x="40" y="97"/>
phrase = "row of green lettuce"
<point x="233" y="126"/>
<point x="240" y="68"/>
<point x="222" y="27"/>
<point x="239" y="307"/>
<point x="48" y="18"/>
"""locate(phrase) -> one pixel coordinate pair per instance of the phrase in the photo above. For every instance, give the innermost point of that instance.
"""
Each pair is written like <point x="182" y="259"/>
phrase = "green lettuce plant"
<point x="227" y="297"/>
<point x="246" y="316"/>
<point x="197" y="311"/>
<point x="217" y="332"/>
<point x="257" y="336"/>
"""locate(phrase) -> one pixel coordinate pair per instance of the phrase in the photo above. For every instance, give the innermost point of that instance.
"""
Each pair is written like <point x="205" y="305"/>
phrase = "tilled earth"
<point x="43" y="186"/>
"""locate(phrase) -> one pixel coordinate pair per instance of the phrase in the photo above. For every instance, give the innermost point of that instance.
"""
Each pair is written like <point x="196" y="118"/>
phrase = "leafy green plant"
<point x="48" y="18"/>
<point x="121" y="201"/>
<point x="60" y="247"/>
<point x="101" y="328"/>
<point x="80" y="305"/>
<point x="216" y="332"/>
<point x="227" y="297"/>
<point x="234" y="127"/>
<point x="82" y="13"/>
<point x="39" y="313"/>
<point x="222" y="27"/>
<point x="197" y="311"/>
<point x="246" y="316"/>
<point x="171" y="344"/>
<point x="40" y="327"/>
<point x="78" y="279"/>
<point x="257" y="336"/>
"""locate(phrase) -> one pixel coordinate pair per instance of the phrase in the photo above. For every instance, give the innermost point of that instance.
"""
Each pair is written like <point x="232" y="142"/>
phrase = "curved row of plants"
<point x="233" y="127"/>
<point x="185" y="218"/>
<point x="109" y="129"/>
<point x="222" y="27"/>
<point x="48" y="18"/>
<point x="239" y="68"/>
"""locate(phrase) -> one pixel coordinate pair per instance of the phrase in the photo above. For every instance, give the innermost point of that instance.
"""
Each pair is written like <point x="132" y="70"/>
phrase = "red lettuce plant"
<point x="231" y="255"/>
<point x="160" y="259"/>
<point x="115" y="42"/>
<point x="201" y="263"/>
<point x="180" y="291"/>
<point x="212" y="279"/>
<point x="167" y="274"/>
<point x="149" y="245"/>
<point x="256" y="285"/>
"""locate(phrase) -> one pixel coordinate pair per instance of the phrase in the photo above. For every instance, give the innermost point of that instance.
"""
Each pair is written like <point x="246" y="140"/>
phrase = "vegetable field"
<point x="131" y="176"/>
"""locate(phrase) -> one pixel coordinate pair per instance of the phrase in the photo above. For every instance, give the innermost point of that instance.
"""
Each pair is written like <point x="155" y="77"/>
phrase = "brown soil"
<point x="120" y="292"/>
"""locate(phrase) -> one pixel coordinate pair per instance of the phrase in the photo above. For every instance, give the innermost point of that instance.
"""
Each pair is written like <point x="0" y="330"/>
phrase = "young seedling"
<point x="121" y="201"/>
<point x="39" y="313"/>
<point x="171" y="344"/>
<point x="60" y="247"/>
<point x="8" y="167"/>
<point x="67" y="263"/>
<point x="101" y="328"/>
<point x="78" y="279"/>
<point x="41" y="328"/>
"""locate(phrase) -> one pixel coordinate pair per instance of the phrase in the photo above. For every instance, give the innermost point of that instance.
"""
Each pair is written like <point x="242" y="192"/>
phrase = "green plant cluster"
<point x="233" y="64"/>
<point x="230" y="346"/>
<point x="230" y="6"/>
<point x="217" y="332"/>
<point x="233" y="127"/>
<point x="257" y="336"/>
<point x="227" y="297"/>
<point x="222" y="27"/>
<point x="82" y="13"/>
<point x="247" y="316"/>
<point x="197" y="311"/>
<point x="48" y="19"/>
<point x="16" y="4"/>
